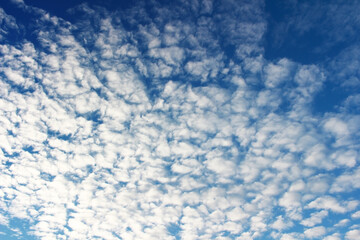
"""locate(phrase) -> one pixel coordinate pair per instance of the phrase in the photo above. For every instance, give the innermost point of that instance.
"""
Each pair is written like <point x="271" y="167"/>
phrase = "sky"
<point x="183" y="119"/>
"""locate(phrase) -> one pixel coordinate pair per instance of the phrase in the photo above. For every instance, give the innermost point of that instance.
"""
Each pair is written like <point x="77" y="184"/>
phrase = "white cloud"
<point x="290" y="200"/>
<point x="332" y="204"/>
<point x="287" y="236"/>
<point x="171" y="55"/>
<point x="356" y="215"/>
<point x="347" y="158"/>
<point x="103" y="144"/>
<point x="281" y="225"/>
<point x="316" y="157"/>
<point x="4" y="220"/>
<point x="342" y="223"/>
<point x="276" y="74"/>
<point x="204" y="69"/>
<point x="335" y="236"/>
<point x="315" y="218"/>
<point x="336" y="126"/>
<point x="318" y="184"/>
<point x="352" y="234"/>
<point x="237" y="214"/>
<point x="346" y="182"/>
<point x="219" y="165"/>
<point x="315" y="232"/>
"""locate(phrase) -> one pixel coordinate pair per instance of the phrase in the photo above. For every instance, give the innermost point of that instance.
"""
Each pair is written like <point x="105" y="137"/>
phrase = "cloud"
<point x="315" y="218"/>
<point x="170" y="124"/>
<point x="8" y="24"/>
<point x="332" y="204"/>
<point x="335" y="236"/>
<point x="315" y="232"/>
<point x="352" y="234"/>
<point x="4" y="220"/>
<point x="276" y="74"/>
<point x="356" y="215"/>
<point x="336" y="126"/>
<point x="345" y="182"/>
<point x="281" y="225"/>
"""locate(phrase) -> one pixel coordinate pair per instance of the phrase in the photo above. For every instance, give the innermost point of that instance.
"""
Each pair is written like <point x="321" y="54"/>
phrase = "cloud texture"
<point x="166" y="122"/>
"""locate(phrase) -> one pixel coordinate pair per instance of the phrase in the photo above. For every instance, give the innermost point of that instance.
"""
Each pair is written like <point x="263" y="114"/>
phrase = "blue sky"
<point x="189" y="119"/>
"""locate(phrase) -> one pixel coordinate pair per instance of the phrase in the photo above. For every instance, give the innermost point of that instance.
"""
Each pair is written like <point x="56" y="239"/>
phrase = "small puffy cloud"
<point x="352" y="234"/>
<point x="336" y="126"/>
<point x="205" y="68"/>
<point x="281" y="224"/>
<point x="316" y="156"/>
<point x="346" y="182"/>
<point x="276" y="74"/>
<point x="237" y="214"/>
<point x="335" y="236"/>
<point x="287" y="236"/>
<point x="170" y="55"/>
<point x="315" y="232"/>
<point x="332" y="204"/>
<point x="318" y="184"/>
<point x="297" y="186"/>
<point x="356" y="215"/>
<point x="290" y="200"/>
<point x="346" y="158"/>
<point x="342" y="223"/>
<point x="220" y="165"/>
<point x="15" y="77"/>
<point x="315" y="218"/>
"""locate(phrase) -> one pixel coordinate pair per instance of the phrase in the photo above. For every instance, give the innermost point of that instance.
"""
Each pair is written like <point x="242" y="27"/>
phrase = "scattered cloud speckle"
<point x="169" y="121"/>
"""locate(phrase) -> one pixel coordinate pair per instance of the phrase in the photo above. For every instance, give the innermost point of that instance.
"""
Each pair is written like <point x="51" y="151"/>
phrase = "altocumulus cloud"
<point x="166" y="121"/>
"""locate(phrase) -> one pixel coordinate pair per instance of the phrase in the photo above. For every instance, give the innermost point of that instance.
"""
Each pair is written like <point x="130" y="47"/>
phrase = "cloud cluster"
<point x="149" y="127"/>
